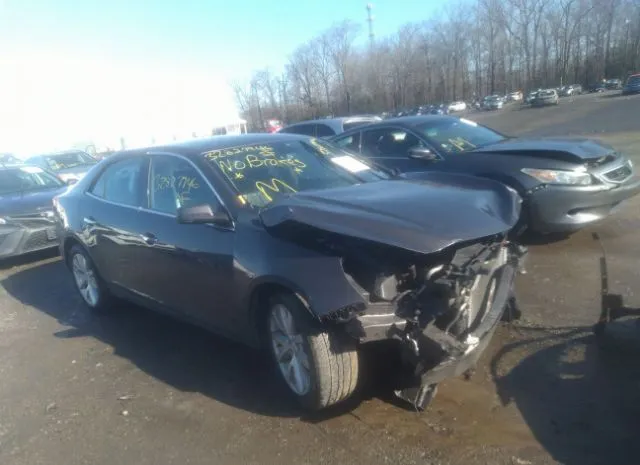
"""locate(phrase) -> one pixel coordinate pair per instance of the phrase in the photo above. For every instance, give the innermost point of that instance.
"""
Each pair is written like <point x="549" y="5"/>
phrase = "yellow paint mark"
<point x="242" y="200"/>
<point x="239" y="176"/>
<point x="320" y="148"/>
<point x="273" y="186"/>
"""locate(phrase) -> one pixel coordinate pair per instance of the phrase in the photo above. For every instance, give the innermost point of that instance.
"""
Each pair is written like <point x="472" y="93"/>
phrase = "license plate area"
<point x="52" y="234"/>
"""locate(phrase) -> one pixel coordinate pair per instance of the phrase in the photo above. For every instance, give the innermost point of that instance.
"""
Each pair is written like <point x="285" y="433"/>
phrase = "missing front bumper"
<point x="431" y="356"/>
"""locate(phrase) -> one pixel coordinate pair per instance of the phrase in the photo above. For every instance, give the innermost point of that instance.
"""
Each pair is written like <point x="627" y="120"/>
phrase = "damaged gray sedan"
<point x="293" y="245"/>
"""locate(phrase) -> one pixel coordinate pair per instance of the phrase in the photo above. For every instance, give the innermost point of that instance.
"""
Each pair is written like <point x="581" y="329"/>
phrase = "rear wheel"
<point x="86" y="278"/>
<point x="319" y="365"/>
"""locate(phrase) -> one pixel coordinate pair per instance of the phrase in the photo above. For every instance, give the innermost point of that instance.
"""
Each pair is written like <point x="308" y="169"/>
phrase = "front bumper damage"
<point x="27" y="233"/>
<point x="431" y="351"/>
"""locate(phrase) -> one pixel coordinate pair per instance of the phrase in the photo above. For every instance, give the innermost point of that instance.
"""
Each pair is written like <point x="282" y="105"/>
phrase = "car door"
<point x="389" y="146"/>
<point x="193" y="263"/>
<point x="111" y="221"/>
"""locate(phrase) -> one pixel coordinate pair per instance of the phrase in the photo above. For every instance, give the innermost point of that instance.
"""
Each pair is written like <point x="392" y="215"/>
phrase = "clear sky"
<point x="73" y="69"/>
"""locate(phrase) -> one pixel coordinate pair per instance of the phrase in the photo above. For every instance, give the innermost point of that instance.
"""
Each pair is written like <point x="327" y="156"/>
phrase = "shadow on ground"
<point x="184" y="356"/>
<point x="581" y="401"/>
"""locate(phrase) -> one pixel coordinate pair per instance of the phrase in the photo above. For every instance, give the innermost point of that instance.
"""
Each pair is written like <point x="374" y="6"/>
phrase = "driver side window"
<point x="175" y="183"/>
<point x="388" y="142"/>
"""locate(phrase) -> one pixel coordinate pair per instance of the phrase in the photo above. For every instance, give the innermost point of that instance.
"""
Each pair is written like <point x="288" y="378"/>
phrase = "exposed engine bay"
<point x="442" y="308"/>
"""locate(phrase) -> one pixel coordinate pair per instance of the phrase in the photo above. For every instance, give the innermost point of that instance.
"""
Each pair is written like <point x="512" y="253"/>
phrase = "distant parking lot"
<point x="136" y="387"/>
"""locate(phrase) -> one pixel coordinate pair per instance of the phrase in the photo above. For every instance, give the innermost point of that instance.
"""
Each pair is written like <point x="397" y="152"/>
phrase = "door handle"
<point x="89" y="221"/>
<point x="149" y="238"/>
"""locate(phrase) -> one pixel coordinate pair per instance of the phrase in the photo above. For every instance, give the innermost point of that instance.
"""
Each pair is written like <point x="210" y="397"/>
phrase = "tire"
<point x="331" y="355"/>
<point x="99" y="299"/>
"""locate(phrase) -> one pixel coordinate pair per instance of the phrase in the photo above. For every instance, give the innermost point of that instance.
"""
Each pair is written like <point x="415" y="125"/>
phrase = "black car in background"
<point x="69" y="165"/>
<point x="292" y="244"/>
<point x="26" y="209"/>
<point x="613" y="84"/>
<point x="565" y="183"/>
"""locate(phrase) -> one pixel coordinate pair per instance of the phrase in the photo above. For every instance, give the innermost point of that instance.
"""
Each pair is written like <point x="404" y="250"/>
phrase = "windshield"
<point x="26" y="178"/>
<point x="63" y="161"/>
<point x="458" y="135"/>
<point x="546" y="93"/>
<point x="262" y="173"/>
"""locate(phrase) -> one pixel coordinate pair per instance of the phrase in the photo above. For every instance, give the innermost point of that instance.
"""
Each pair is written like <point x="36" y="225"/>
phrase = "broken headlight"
<point x="562" y="177"/>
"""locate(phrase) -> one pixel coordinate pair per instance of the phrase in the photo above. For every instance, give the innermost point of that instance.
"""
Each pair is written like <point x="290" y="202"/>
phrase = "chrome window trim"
<point x="149" y="210"/>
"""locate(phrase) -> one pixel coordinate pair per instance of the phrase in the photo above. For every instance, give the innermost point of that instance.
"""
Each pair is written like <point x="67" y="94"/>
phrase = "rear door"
<point x="192" y="263"/>
<point x="111" y="221"/>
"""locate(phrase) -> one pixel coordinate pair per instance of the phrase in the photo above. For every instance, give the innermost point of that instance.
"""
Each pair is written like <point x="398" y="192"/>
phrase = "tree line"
<point x="473" y="48"/>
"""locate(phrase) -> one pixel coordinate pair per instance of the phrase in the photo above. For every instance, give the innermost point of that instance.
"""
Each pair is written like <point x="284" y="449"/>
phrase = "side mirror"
<point x="422" y="153"/>
<point x="202" y="214"/>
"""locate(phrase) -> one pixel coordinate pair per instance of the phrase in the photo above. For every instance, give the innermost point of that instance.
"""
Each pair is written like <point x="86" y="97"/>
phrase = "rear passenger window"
<point x="121" y="182"/>
<point x="302" y="129"/>
<point x="322" y="130"/>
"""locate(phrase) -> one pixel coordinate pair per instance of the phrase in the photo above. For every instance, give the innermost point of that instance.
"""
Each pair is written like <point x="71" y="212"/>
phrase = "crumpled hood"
<point x="425" y="215"/>
<point x="28" y="202"/>
<point x="565" y="149"/>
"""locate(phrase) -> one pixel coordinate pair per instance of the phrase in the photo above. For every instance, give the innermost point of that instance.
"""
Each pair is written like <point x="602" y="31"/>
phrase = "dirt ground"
<point x="136" y="387"/>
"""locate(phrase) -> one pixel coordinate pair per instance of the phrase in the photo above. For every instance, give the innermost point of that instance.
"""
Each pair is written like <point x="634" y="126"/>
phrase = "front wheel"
<point x="318" y="364"/>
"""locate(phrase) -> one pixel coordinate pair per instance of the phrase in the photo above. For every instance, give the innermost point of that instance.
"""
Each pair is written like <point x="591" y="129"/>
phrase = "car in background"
<point x="531" y="96"/>
<point x="566" y="184"/>
<point x="9" y="159"/>
<point x="26" y="209"/>
<point x="492" y="102"/>
<point x="632" y="86"/>
<point x="293" y="245"/>
<point x="570" y="90"/>
<point x="613" y="84"/>
<point x="69" y="165"/>
<point x="328" y="127"/>
<point x="515" y="96"/>
<point x="457" y="106"/>
<point x="545" y="97"/>
<point x="598" y="88"/>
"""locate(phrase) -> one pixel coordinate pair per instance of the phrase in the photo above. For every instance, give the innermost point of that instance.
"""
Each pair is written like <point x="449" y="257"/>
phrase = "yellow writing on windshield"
<point x="254" y="161"/>
<point x="320" y="148"/>
<point x="274" y="185"/>
<point x="461" y="144"/>
<point x="263" y="150"/>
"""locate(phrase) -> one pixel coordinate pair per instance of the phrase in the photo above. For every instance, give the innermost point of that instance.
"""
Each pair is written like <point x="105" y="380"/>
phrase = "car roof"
<point x="408" y="121"/>
<point x="197" y="146"/>
<point x="60" y="152"/>
<point x="336" y="122"/>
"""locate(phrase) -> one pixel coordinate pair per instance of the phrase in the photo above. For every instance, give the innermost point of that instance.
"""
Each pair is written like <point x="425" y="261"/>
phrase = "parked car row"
<point x="404" y="230"/>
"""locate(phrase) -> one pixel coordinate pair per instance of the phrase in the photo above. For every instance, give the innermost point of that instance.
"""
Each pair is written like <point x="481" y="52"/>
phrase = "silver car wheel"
<point x="85" y="279"/>
<point x="289" y="350"/>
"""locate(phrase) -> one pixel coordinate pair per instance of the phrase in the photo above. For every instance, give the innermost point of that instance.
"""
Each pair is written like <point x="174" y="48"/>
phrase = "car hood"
<point x="426" y="214"/>
<point x="76" y="170"/>
<point x="569" y="150"/>
<point x="28" y="202"/>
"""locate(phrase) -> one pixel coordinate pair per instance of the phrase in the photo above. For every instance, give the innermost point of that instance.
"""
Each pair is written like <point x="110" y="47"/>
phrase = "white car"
<point x="457" y="106"/>
<point x="515" y="96"/>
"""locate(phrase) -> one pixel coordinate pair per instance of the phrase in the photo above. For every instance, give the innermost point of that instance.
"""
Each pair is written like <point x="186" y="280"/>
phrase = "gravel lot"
<point x="133" y="387"/>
